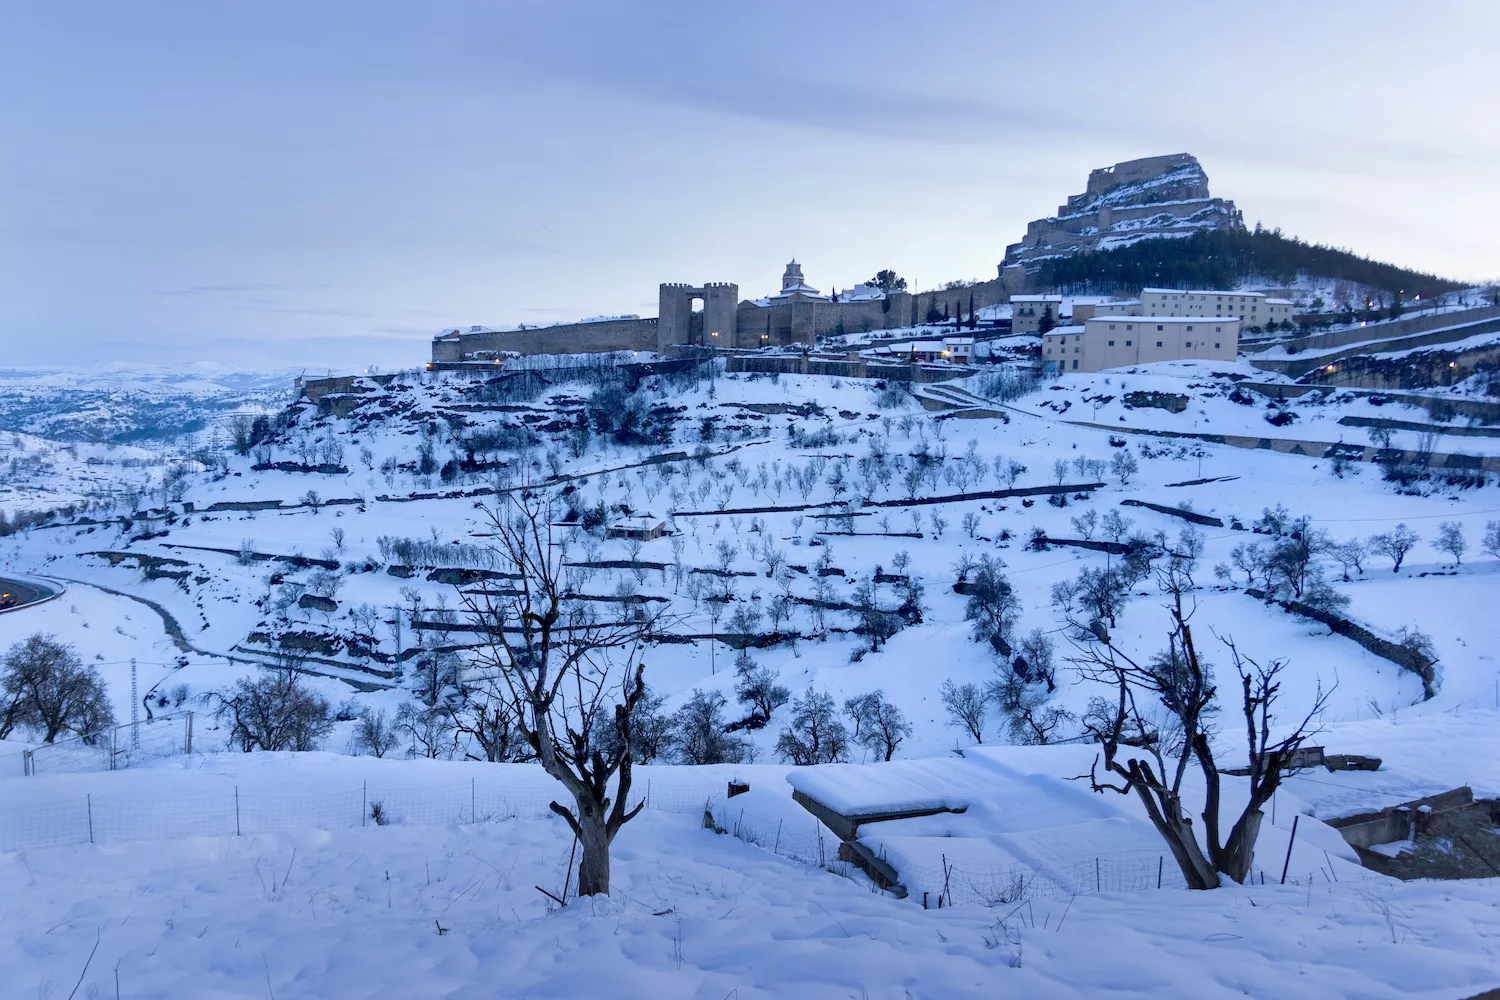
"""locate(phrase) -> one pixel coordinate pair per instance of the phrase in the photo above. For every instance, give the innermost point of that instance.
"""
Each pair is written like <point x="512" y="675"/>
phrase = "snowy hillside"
<point x="823" y="537"/>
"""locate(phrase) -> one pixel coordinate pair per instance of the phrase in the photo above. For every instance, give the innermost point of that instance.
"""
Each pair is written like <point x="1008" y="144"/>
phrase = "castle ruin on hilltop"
<point x="1158" y="196"/>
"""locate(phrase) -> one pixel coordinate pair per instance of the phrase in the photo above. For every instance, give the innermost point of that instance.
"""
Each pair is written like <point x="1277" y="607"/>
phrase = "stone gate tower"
<point x="715" y="326"/>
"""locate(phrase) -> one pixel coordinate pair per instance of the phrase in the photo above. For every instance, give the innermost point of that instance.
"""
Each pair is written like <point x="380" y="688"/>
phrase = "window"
<point x="1187" y="343"/>
<point x="1158" y="343"/>
<point x="1111" y="326"/>
<point x="1189" y="329"/>
<point x="1130" y="326"/>
<point x="1127" y="343"/>
<point x="1111" y="343"/>
<point x="1158" y="327"/>
<point x="1218" y="329"/>
<point x="1075" y="364"/>
<point x="1216" y="345"/>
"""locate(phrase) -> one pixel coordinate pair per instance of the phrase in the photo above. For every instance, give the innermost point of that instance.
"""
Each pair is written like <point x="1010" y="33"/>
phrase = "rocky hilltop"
<point x="1159" y="196"/>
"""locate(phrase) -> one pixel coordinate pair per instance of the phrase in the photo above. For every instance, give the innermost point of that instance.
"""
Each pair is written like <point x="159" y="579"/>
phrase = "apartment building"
<point x="1105" y="342"/>
<point x="1250" y="308"/>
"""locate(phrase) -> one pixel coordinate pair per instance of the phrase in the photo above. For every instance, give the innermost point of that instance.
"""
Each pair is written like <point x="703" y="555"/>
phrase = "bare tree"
<point x="814" y="735"/>
<point x="879" y="726"/>
<point x="1491" y="543"/>
<point x="374" y="734"/>
<point x="1452" y="541"/>
<point x="485" y="718"/>
<point x="553" y="661"/>
<point x="967" y="708"/>
<point x="696" y="733"/>
<point x="1151" y="761"/>
<point x="1395" y="543"/>
<point x="274" y="710"/>
<point x="45" y="685"/>
<point x="1352" y="554"/>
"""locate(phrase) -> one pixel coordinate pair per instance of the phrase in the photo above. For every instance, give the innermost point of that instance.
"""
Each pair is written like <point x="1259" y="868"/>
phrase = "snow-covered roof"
<point x="1058" y="330"/>
<point x="1167" y="319"/>
<point x="1278" y="302"/>
<point x="861" y="293"/>
<point x="1036" y="298"/>
<point x="1200" y="291"/>
<point x="795" y="290"/>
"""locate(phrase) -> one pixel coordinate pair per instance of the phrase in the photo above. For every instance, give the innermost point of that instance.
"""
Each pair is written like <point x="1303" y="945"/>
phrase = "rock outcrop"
<point x="1159" y="196"/>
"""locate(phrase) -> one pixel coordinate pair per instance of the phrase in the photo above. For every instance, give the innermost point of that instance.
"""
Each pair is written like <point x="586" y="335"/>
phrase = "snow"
<point x="449" y="908"/>
<point x="172" y="897"/>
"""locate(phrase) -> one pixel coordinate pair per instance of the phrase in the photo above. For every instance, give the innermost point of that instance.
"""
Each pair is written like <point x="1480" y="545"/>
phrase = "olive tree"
<point x="1151" y="760"/>
<point x="555" y="660"/>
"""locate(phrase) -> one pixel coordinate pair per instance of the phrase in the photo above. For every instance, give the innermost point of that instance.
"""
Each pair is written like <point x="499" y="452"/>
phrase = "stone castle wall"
<point x="566" y="338"/>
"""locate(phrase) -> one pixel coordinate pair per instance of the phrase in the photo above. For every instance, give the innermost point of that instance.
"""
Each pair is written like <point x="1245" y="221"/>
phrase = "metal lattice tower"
<point x="135" y="710"/>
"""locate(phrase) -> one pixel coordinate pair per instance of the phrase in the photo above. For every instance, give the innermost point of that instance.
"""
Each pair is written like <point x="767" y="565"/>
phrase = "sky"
<point x="327" y="185"/>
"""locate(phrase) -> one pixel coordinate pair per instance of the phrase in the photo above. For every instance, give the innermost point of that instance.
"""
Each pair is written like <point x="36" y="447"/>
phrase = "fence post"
<point x="1159" y="859"/>
<point x="114" y="746"/>
<point x="1097" y="886"/>
<point x="1289" y="842"/>
<point x="236" y="810"/>
<point x="473" y="808"/>
<point x="88" y="801"/>
<point x="27" y="766"/>
<point x="190" y="732"/>
<point x="777" y="848"/>
<point x="364" y="798"/>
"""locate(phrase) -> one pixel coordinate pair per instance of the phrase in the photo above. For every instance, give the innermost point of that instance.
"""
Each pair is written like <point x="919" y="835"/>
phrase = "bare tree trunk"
<point x="1176" y="829"/>
<point x="1238" y="854"/>
<point x="593" y="871"/>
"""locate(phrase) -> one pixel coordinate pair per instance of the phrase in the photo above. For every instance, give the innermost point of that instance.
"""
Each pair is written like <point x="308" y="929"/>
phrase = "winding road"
<point x="23" y="593"/>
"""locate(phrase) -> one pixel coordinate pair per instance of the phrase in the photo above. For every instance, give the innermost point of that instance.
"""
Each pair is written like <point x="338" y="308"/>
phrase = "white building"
<point x="1121" y="341"/>
<point x="1252" y="309"/>
<point x="954" y="350"/>
<point x="1027" y="310"/>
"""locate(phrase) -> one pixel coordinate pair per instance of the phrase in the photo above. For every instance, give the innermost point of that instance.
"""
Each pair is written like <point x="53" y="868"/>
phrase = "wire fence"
<point x="107" y="818"/>
<point x="113" y="749"/>
<point x="1062" y="878"/>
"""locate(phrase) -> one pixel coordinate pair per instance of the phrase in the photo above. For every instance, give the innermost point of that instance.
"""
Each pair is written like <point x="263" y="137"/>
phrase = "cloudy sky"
<point x="287" y="183"/>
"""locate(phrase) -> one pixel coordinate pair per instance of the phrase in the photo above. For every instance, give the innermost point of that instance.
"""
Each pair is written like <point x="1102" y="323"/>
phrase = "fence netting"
<point x="112" y="749"/>
<point x="107" y="818"/>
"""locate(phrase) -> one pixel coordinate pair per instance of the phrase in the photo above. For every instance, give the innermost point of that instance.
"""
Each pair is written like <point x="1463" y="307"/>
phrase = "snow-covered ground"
<point x="450" y="909"/>
<point x="704" y="915"/>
